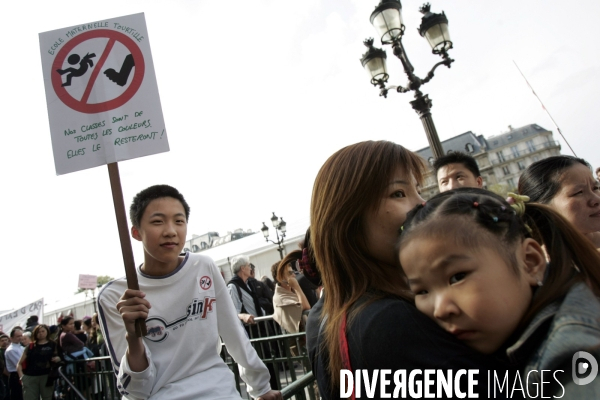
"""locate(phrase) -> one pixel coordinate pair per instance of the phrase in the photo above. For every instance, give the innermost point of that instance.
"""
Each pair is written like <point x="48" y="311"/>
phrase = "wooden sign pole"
<point x="131" y="275"/>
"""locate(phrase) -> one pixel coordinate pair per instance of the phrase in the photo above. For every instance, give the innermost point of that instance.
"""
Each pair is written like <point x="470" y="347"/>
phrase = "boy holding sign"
<point x="186" y="306"/>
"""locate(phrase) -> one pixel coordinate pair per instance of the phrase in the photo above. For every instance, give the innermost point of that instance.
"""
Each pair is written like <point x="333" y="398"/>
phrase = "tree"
<point x="102" y="280"/>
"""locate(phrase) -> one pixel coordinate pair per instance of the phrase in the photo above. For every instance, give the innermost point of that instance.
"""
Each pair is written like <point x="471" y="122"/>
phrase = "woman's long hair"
<point x="305" y="257"/>
<point x="351" y="183"/>
<point x="36" y="331"/>
<point x="573" y="257"/>
<point x="542" y="179"/>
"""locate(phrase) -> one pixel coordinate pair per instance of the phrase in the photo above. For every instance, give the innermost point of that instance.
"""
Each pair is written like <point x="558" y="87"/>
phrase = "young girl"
<point x="477" y="268"/>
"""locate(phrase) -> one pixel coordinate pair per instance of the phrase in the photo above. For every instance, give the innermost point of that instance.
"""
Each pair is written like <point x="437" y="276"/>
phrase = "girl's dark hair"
<point x="542" y="179"/>
<point x="573" y="257"/>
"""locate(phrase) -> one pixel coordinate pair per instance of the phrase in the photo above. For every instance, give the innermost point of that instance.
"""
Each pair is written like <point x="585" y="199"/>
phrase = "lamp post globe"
<point x="387" y="20"/>
<point x="388" y="23"/>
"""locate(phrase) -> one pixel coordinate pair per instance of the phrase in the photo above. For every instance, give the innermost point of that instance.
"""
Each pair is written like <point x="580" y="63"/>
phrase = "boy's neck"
<point x="154" y="267"/>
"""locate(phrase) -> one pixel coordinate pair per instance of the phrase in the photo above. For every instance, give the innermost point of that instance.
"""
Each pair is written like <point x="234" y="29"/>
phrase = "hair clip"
<point x="495" y="219"/>
<point x="503" y="208"/>
<point x="518" y="202"/>
<point x="423" y="204"/>
<point x="475" y="204"/>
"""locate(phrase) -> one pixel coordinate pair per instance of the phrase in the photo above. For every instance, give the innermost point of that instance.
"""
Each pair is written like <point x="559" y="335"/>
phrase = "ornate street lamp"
<point x="280" y="228"/>
<point x="387" y="20"/>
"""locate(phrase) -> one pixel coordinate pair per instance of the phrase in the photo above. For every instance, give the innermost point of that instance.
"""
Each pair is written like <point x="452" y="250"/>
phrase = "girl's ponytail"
<point x="573" y="258"/>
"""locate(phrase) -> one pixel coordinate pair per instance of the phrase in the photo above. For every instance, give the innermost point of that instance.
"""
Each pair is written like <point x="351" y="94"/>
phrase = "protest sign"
<point x="87" y="281"/>
<point x="19" y="316"/>
<point x="101" y="93"/>
<point x="103" y="106"/>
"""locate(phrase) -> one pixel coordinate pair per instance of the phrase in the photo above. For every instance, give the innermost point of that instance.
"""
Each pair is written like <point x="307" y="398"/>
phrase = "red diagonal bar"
<point x="96" y="71"/>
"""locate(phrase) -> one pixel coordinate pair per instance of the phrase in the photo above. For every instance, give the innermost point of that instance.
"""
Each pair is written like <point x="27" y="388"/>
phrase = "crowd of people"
<point x="30" y="356"/>
<point x="467" y="281"/>
<point x="383" y="281"/>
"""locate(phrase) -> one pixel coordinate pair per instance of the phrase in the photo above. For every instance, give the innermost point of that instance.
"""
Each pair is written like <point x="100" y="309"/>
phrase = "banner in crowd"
<point x="19" y="316"/>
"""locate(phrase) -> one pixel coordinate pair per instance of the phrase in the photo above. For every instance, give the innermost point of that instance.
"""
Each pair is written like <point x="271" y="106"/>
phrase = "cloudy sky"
<point x="256" y="95"/>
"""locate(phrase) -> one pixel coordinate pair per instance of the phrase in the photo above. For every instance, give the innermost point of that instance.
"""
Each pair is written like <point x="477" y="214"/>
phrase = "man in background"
<point x="457" y="170"/>
<point x="4" y="341"/>
<point x="13" y="355"/>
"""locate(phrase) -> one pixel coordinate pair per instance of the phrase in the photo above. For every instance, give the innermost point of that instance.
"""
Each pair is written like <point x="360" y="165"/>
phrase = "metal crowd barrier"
<point x="78" y="381"/>
<point x="286" y="352"/>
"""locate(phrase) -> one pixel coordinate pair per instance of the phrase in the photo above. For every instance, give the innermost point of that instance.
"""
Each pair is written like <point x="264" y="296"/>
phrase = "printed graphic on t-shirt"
<point x="158" y="328"/>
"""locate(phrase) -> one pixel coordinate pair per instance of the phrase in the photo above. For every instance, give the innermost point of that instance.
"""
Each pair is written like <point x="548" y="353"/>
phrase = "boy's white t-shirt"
<point x="190" y="309"/>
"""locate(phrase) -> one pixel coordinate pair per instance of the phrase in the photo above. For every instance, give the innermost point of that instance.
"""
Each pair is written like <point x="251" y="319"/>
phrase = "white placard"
<point x="101" y="93"/>
<point x="87" y="281"/>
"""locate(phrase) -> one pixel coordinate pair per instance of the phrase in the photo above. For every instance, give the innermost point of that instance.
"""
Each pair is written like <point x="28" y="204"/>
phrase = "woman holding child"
<point x="367" y="319"/>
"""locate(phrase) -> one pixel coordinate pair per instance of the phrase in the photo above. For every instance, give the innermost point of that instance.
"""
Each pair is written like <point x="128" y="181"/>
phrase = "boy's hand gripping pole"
<point x="132" y="282"/>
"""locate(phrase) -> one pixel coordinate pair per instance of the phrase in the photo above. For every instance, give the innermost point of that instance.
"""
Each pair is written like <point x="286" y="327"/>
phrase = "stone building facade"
<point x="501" y="158"/>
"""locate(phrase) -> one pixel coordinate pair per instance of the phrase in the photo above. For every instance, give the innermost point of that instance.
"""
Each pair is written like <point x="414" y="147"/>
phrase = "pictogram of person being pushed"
<point x="84" y="64"/>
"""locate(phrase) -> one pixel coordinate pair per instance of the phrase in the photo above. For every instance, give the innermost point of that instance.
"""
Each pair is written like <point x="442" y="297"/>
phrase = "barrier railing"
<point x="91" y="379"/>
<point x="94" y="379"/>
<point x="285" y="352"/>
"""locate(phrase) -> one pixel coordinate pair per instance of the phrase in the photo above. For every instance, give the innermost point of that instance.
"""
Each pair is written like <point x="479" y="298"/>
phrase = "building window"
<point x="506" y="170"/>
<point x="521" y="165"/>
<point x="535" y="158"/>
<point x="530" y="146"/>
<point x="500" y="156"/>
<point x="509" y="137"/>
<point x="511" y="183"/>
<point x="515" y="151"/>
<point x="470" y="148"/>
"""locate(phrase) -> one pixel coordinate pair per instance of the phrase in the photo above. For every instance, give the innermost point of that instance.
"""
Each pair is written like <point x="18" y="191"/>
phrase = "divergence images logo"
<point x="580" y="368"/>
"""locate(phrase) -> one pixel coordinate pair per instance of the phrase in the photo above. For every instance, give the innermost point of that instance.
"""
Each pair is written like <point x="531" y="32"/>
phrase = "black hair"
<point x="573" y="257"/>
<point x="542" y="179"/>
<point x="143" y="198"/>
<point x="457" y="158"/>
<point x="14" y="330"/>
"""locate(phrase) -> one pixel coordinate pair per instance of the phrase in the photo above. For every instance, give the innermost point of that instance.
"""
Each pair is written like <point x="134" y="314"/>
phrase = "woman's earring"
<point x="539" y="283"/>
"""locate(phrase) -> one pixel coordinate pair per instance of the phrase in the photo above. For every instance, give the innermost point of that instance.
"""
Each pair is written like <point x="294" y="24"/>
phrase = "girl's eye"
<point x="421" y="292"/>
<point x="578" y="193"/>
<point x="457" y="277"/>
<point x="399" y="194"/>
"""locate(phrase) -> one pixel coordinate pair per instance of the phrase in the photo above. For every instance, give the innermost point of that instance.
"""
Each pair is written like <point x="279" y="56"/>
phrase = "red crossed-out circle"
<point x="82" y="105"/>
<point x="205" y="282"/>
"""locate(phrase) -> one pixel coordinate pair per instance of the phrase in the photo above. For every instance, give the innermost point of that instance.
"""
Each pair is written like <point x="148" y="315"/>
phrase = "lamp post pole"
<point x="387" y="20"/>
<point x="280" y="227"/>
<point x="422" y="105"/>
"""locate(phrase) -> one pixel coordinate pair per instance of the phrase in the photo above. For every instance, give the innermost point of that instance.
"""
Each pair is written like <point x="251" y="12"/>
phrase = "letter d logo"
<point x="583" y="367"/>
